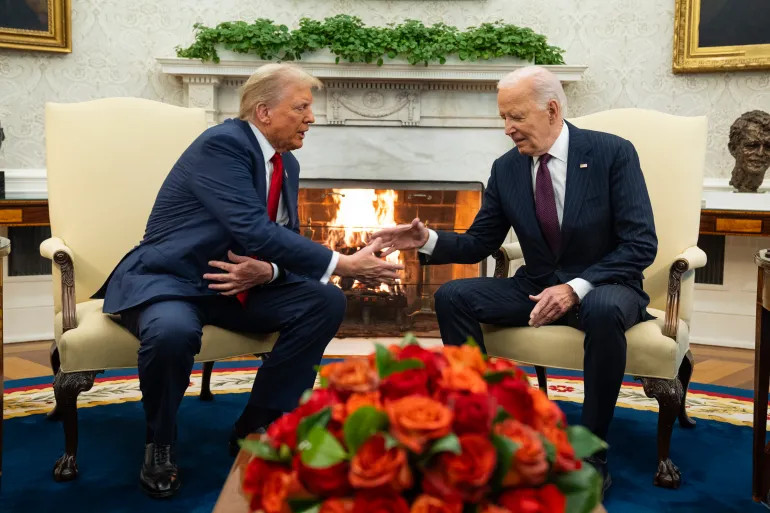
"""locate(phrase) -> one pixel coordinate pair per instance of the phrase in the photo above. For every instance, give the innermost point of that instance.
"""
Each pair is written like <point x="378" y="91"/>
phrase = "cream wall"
<point x="626" y="45"/>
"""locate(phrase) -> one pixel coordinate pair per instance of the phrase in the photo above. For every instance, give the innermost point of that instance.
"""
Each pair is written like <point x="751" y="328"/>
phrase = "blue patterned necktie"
<point x="545" y="205"/>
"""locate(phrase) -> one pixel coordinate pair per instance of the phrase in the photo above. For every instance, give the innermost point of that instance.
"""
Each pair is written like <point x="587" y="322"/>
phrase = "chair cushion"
<point x="650" y="353"/>
<point x="99" y="343"/>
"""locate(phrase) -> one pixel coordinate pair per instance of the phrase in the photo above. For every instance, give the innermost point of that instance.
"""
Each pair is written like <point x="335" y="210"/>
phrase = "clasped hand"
<point x="552" y="304"/>
<point x="240" y="274"/>
<point x="367" y="267"/>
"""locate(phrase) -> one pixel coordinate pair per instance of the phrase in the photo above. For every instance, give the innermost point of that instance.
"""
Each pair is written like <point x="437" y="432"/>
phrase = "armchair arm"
<point x="55" y="249"/>
<point x="503" y="257"/>
<point x="691" y="258"/>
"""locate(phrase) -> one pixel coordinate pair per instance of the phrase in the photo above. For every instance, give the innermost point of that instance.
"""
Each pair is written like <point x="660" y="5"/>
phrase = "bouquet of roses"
<point x="412" y="430"/>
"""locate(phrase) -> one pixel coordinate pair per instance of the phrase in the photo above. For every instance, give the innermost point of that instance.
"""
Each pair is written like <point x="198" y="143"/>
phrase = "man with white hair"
<point x="578" y="204"/>
<point x="232" y="195"/>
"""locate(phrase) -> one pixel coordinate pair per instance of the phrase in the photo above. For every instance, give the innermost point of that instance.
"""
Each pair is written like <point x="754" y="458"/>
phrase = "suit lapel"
<point x="578" y="179"/>
<point x="260" y="173"/>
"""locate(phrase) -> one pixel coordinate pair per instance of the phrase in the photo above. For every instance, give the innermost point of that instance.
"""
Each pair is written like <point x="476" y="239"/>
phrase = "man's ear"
<point x="553" y="111"/>
<point x="262" y="114"/>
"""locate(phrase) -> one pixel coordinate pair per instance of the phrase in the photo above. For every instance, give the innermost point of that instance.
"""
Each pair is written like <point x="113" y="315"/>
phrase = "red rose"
<point x="336" y="505"/>
<point x="430" y="504"/>
<point x="368" y="502"/>
<point x="473" y="413"/>
<point x="529" y="466"/>
<point x="373" y="466"/>
<point x="268" y="485"/>
<point x="284" y="430"/>
<point x="464" y="476"/>
<point x="547" y="499"/>
<point x="433" y="360"/>
<point x="514" y="396"/>
<point x="565" y="453"/>
<point x="319" y="399"/>
<point x="326" y="482"/>
<point x="401" y="384"/>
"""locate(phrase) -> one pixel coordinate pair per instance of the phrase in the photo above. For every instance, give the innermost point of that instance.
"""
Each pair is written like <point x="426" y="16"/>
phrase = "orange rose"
<point x="430" y="504"/>
<point x="416" y="420"/>
<point x="336" y="505"/>
<point x="547" y="412"/>
<point x="373" y="466"/>
<point x="529" y="465"/>
<point x="466" y="356"/>
<point x="565" y="453"/>
<point x="463" y="477"/>
<point x="268" y="485"/>
<point x="340" y="412"/>
<point x="461" y="379"/>
<point x="354" y="375"/>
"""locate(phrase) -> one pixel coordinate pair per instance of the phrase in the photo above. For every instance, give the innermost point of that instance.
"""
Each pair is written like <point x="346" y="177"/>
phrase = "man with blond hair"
<point x="578" y="204"/>
<point x="222" y="247"/>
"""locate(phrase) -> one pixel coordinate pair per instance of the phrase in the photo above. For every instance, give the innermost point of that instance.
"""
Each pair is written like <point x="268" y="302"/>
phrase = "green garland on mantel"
<point x="349" y="39"/>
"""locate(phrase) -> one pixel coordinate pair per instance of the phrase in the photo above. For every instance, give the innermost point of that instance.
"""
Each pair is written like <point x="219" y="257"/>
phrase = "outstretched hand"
<point x="365" y="266"/>
<point x="401" y="237"/>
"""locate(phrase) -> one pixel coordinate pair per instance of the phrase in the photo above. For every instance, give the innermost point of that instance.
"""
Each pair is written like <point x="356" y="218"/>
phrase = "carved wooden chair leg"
<point x="669" y="394"/>
<point x="67" y="386"/>
<point x="685" y="373"/>
<point x="542" y="378"/>
<point x="206" y="394"/>
<point x="54" y="414"/>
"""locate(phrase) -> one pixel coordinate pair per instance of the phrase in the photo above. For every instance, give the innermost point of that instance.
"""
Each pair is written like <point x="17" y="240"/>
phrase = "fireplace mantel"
<point x="455" y="94"/>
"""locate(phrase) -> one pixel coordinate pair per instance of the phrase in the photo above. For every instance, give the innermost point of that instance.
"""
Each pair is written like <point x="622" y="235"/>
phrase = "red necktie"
<point x="273" y="198"/>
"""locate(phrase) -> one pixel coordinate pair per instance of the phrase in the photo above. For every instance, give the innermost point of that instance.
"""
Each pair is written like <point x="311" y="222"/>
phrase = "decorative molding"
<point x="23" y="183"/>
<point x="456" y="94"/>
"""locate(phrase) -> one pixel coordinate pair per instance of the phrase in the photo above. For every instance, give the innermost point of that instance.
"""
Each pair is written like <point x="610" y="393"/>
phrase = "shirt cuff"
<point x="331" y="268"/>
<point x="429" y="246"/>
<point x="275" y="273"/>
<point x="581" y="287"/>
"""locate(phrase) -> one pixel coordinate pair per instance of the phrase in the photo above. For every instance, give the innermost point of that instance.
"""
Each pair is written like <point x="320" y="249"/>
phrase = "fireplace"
<point x="341" y="213"/>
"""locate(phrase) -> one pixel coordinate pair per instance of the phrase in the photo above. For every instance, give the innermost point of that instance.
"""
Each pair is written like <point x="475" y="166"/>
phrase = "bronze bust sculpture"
<point x="750" y="145"/>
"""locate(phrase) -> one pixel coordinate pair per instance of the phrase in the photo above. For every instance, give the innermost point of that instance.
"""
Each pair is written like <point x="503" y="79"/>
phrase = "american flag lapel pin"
<point x="583" y="166"/>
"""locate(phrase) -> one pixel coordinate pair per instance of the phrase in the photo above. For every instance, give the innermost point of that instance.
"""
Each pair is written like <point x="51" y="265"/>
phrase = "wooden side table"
<point x="5" y="249"/>
<point x="761" y="453"/>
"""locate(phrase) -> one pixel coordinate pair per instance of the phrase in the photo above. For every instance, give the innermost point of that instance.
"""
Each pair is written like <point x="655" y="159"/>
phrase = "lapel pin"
<point x="583" y="165"/>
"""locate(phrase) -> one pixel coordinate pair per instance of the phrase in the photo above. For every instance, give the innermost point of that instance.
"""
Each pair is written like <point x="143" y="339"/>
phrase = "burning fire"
<point x="359" y="213"/>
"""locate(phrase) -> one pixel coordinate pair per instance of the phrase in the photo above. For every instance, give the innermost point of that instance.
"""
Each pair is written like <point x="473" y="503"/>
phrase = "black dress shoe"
<point x="159" y="477"/>
<point x="236" y="435"/>
<point x="600" y="464"/>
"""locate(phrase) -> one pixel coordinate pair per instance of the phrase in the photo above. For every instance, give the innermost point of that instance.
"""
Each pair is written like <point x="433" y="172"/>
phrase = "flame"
<point x="361" y="212"/>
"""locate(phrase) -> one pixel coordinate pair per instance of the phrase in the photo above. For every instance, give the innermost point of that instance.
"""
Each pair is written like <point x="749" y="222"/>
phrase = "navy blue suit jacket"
<point x="212" y="201"/>
<point x="608" y="230"/>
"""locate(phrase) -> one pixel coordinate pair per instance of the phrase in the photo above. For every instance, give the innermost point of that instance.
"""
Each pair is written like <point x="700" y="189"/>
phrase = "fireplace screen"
<point x="341" y="214"/>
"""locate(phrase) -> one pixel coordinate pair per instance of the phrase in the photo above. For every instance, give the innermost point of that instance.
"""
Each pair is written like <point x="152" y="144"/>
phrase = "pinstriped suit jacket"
<point x="608" y="231"/>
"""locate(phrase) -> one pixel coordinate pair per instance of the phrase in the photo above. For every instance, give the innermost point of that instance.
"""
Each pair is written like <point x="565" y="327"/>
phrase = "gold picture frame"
<point x="42" y="25"/>
<point x="727" y="28"/>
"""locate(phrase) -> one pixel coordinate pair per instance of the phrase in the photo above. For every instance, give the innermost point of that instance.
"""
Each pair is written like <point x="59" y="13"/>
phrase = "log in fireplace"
<point x="341" y="214"/>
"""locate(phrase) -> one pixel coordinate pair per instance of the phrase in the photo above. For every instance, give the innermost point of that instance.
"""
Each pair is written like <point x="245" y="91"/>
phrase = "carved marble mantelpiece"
<point x="456" y="94"/>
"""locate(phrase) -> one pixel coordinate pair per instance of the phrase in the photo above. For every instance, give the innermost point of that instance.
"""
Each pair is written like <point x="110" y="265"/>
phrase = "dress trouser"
<point x="306" y="312"/>
<point x="604" y="315"/>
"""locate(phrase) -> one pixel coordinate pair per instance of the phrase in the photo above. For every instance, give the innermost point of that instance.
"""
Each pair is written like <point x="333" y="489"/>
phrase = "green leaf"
<point x="261" y="450"/>
<point x="506" y="449"/>
<point x="497" y="376"/>
<point x="403" y="365"/>
<point x="550" y="449"/>
<point x="448" y="443"/>
<point x="304" y="505"/>
<point x="361" y="424"/>
<point x="306" y="396"/>
<point x="306" y="425"/>
<point x="470" y="341"/>
<point x="383" y="359"/>
<point x="584" y="442"/>
<point x="501" y="415"/>
<point x="582" y="489"/>
<point x="409" y="340"/>
<point x="390" y="441"/>
<point x="321" y="449"/>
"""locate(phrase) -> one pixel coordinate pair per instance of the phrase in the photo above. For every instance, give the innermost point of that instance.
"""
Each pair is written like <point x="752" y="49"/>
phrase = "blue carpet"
<point x="715" y="459"/>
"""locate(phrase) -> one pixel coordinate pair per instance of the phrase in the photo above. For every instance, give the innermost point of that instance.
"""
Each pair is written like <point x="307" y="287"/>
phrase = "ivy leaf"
<point x="318" y="419"/>
<point x="361" y="424"/>
<point x="584" y="442"/>
<point x="321" y="449"/>
<point x="582" y="488"/>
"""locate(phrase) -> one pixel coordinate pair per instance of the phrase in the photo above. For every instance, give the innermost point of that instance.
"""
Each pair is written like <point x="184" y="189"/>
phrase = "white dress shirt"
<point x="557" y="167"/>
<point x="282" y="217"/>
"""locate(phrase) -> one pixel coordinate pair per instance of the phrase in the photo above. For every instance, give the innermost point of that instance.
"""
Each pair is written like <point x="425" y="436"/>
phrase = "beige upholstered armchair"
<point x="106" y="160"/>
<point x="672" y="154"/>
